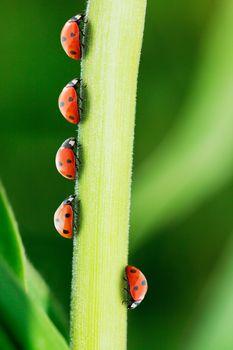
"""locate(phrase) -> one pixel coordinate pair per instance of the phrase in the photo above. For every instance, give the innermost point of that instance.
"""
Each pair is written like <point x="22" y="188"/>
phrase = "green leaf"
<point x="41" y="295"/>
<point x="27" y="321"/>
<point x="11" y="247"/>
<point x="196" y="159"/>
<point x="12" y="250"/>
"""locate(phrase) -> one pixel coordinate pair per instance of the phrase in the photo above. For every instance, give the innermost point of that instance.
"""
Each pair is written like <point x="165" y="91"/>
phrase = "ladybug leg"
<point x="80" y="81"/>
<point x="82" y="18"/>
<point x="81" y="109"/>
<point x="128" y="293"/>
<point x="82" y="32"/>
<point x="79" y="84"/>
<point x="126" y="289"/>
<point x="126" y="301"/>
<point x="78" y="161"/>
<point x="79" y="146"/>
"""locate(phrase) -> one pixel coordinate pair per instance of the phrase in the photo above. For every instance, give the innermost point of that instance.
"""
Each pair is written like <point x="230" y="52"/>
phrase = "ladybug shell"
<point x="70" y="38"/>
<point x="137" y="284"/>
<point x="63" y="218"/>
<point x="68" y="103"/>
<point x="65" y="159"/>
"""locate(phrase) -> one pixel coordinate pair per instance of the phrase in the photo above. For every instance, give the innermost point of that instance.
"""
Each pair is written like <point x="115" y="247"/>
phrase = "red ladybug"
<point x="63" y="218"/>
<point x="71" y="37"/>
<point x="69" y="102"/>
<point x="137" y="286"/>
<point x="66" y="159"/>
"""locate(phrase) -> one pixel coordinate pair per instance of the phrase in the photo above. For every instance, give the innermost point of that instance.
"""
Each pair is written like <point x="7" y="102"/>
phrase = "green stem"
<point x="110" y="68"/>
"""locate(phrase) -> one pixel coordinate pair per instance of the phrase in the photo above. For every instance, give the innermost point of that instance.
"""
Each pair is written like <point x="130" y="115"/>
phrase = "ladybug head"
<point x="133" y="304"/>
<point x="78" y="18"/>
<point x="69" y="200"/>
<point x="74" y="83"/>
<point x="69" y="143"/>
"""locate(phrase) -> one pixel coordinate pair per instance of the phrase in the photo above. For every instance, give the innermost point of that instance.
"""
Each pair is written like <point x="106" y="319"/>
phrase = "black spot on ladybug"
<point x="60" y="164"/>
<point x="72" y="52"/>
<point x="72" y="34"/>
<point x="71" y="117"/>
<point x="65" y="232"/>
<point x="62" y="104"/>
<point x="70" y="99"/>
<point x="143" y="283"/>
<point x="63" y="39"/>
<point x="135" y="288"/>
<point x="70" y="176"/>
<point x="133" y="270"/>
<point x="67" y="215"/>
<point x="68" y="161"/>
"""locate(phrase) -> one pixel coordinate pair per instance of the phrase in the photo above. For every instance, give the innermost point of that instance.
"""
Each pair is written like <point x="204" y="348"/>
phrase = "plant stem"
<point x="110" y="69"/>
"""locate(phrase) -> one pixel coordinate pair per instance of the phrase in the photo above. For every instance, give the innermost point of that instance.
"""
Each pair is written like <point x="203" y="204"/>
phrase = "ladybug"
<point x="69" y="102"/>
<point x="64" y="216"/>
<point x="66" y="159"/>
<point x="137" y="286"/>
<point x="71" y="37"/>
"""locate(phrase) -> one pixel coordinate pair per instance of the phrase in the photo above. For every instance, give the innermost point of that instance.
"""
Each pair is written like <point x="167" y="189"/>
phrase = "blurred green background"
<point x="182" y="222"/>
